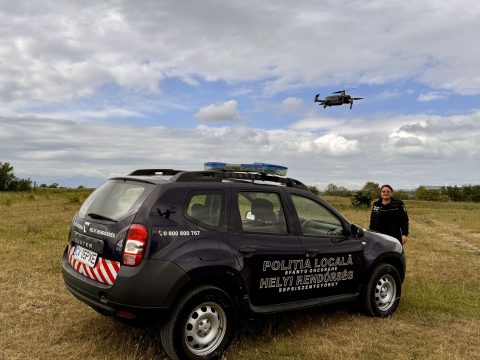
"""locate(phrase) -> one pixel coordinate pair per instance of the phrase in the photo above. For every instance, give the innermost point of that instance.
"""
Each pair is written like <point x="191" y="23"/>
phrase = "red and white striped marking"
<point x="105" y="271"/>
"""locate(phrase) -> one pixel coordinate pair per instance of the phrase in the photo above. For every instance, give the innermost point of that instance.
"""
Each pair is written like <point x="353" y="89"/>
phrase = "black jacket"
<point x="390" y="219"/>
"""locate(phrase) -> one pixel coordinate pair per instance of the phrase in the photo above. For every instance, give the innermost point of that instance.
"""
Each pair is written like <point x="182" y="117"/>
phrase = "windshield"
<point x="115" y="199"/>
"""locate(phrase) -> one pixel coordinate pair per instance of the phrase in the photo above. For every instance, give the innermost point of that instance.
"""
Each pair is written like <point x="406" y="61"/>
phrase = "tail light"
<point x="135" y="245"/>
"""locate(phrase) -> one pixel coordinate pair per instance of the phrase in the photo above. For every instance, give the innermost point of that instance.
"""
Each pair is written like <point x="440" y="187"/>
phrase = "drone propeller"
<point x="316" y="98"/>
<point x="339" y="92"/>
<point x="351" y="101"/>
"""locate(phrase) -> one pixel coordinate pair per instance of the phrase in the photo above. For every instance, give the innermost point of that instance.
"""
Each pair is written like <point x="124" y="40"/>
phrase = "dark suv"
<point x="199" y="248"/>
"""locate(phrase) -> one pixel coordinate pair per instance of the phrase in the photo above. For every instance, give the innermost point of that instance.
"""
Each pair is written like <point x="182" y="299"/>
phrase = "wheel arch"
<point x="222" y="277"/>
<point x="392" y="259"/>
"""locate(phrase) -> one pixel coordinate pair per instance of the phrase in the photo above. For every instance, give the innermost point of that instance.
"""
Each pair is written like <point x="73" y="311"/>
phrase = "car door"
<point x="335" y="259"/>
<point x="267" y="251"/>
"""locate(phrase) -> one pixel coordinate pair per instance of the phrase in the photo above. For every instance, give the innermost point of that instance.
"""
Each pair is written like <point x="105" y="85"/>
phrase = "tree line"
<point x="469" y="193"/>
<point x="362" y="197"/>
<point x="371" y="191"/>
<point x="9" y="182"/>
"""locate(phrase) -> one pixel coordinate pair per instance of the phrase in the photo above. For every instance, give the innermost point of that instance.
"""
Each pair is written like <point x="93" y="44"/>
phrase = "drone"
<point x="340" y="98"/>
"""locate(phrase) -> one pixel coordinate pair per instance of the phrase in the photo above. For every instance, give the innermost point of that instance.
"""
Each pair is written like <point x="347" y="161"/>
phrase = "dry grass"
<point x="438" y="318"/>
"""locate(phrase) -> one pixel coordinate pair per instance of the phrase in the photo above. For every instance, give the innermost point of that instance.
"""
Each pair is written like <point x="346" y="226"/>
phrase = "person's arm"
<point x="404" y="223"/>
<point x="372" y="224"/>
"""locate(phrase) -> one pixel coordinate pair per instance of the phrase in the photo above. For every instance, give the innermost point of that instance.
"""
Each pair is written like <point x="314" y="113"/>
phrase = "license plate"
<point x="85" y="256"/>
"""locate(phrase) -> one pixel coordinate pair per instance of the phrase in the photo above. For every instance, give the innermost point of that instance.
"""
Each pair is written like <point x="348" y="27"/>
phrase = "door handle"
<point x="247" y="249"/>
<point x="312" y="251"/>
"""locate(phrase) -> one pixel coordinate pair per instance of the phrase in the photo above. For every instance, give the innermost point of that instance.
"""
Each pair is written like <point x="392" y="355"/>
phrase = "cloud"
<point x="452" y="139"/>
<point x="291" y="105"/>
<point x="415" y="150"/>
<point x="389" y="94"/>
<point x="432" y="95"/>
<point x="100" y="114"/>
<point x="96" y="63"/>
<point x="329" y="144"/>
<point x="57" y="53"/>
<point x="219" y="111"/>
<point x="316" y="122"/>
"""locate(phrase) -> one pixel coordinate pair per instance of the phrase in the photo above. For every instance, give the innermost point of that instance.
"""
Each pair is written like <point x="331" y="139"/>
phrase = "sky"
<point x="94" y="89"/>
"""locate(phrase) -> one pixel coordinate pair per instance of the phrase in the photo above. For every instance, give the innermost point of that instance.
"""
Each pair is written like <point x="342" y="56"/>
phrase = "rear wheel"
<point x="201" y="326"/>
<point x="382" y="293"/>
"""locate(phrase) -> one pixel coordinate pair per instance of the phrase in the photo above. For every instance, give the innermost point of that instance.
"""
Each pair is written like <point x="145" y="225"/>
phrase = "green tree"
<point x="471" y="193"/>
<point x="314" y="189"/>
<point x="423" y="193"/>
<point x="331" y="189"/>
<point x="6" y="175"/>
<point x="9" y="182"/>
<point x="401" y="194"/>
<point x="454" y="193"/>
<point x="20" y="185"/>
<point x="372" y="189"/>
<point x="335" y="190"/>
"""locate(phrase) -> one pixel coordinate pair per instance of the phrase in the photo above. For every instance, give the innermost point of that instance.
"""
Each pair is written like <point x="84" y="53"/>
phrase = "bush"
<point x="74" y="200"/>
<point x="20" y="185"/>
<point x="361" y="199"/>
<point x="423" y="193"/>
<point x="401" y="195"/>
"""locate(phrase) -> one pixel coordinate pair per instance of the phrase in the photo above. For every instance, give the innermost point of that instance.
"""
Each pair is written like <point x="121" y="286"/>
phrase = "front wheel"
<point x="201" y="326"/>
<point x="382" y="294"/>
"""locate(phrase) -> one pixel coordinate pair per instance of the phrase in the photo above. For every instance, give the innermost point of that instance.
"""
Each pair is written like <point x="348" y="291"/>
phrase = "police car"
<point x="199" y="248"/>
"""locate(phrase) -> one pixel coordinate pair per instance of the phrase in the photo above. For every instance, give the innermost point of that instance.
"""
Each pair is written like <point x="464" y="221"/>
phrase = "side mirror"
<point x="249" y="216"/>
<point x="356" y="231"/>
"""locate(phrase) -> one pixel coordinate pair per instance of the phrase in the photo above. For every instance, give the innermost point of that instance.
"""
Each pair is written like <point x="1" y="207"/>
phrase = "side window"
<point x="261" y="212"/>
<point x="315" y="219"/>
<point x="205" y="209"/>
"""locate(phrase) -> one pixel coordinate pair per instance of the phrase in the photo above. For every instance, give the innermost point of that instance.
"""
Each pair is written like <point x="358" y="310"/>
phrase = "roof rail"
<point x="289" y="182"/>
<point x="152" y="172"/>
<point x="185" y="176"/>
<point x="218" y="176"/>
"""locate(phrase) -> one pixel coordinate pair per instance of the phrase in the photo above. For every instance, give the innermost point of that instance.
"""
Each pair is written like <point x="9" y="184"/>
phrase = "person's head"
<point x="386" y="192"/>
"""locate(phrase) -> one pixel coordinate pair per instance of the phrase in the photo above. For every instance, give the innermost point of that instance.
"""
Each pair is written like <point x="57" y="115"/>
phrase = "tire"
<point x="382" y="294"/>
<point x="201" y="325"/>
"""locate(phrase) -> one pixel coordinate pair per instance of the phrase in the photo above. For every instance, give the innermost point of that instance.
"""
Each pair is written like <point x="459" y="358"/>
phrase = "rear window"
<point x="116" y="199"/>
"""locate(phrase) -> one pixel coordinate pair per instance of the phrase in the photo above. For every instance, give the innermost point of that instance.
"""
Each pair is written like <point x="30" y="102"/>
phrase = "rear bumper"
<point x="150" y="287"/>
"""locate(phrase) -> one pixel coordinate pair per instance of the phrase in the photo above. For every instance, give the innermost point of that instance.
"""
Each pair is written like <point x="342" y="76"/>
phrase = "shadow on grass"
<point x="123" y="339"/>
<point x="285" y="323"/>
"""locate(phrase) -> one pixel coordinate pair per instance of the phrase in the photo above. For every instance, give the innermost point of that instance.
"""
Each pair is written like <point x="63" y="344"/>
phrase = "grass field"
<point x="438" y="317"/>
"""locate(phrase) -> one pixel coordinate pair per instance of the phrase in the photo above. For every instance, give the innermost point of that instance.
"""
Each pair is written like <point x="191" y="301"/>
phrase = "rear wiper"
<point x="100" y="217"/>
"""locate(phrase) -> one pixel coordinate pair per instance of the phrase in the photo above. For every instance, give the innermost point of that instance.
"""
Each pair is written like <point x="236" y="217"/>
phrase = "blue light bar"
<point x="256" y="167"/>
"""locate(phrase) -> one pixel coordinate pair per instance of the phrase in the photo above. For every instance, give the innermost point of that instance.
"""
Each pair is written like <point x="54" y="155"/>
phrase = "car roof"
<point x="158" y="176"/>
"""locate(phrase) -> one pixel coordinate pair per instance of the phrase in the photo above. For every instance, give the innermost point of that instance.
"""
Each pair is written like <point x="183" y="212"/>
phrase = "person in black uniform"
<point x="389" y="215"/>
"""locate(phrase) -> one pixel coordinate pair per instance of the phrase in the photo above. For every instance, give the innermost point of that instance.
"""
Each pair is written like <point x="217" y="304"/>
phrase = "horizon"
<point x="93" y="183"/>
